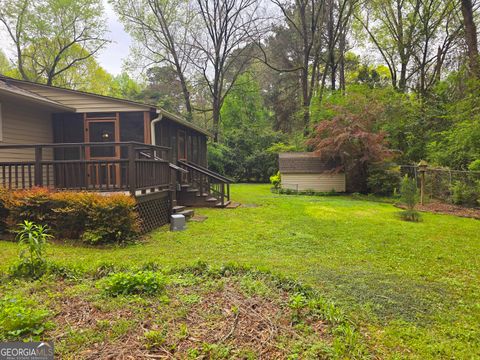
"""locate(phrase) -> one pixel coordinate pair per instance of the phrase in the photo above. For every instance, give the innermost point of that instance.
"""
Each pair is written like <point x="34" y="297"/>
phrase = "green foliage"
<point x="20" y="317"/>
<point x="474" y="165"/>
<point x="409" y="196"/>
<point x="33" y="239"/>
<point x="155" y="338"/>
<point x="454" y="121"/>
<point x="94" y="218"/>
<point x="464" y="193"/>
<point x="409" y="192"/>
<point x="246" y="150"/>
<point x="54" y="38"/>
<point x="276" y="180"/>
<point x="382" y="180"/>
<point x="142" y="282"/>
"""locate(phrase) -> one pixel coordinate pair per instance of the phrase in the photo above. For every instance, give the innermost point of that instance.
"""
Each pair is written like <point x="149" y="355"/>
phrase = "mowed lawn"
<point x="413" y="288"/>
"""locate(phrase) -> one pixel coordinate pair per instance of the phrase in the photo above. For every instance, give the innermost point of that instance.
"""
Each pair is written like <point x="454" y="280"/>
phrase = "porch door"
<point x="103" y="170"/>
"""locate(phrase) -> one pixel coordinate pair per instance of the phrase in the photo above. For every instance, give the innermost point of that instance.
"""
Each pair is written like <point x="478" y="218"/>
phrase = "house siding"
<point x="318" y="182"/>
<point x="24" y="123"/>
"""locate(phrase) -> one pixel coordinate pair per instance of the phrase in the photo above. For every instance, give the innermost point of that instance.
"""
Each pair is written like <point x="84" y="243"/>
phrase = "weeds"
<point x="142" y="282"/>
<point x="33" y="239"/>
<point x="19" y="317"/>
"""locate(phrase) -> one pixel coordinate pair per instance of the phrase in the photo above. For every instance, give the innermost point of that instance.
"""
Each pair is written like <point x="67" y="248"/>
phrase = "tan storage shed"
<point x="309" y="171"/>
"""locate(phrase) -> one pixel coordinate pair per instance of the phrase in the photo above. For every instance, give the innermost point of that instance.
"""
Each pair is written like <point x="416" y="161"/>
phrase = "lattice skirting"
<point x="154" y="210"/>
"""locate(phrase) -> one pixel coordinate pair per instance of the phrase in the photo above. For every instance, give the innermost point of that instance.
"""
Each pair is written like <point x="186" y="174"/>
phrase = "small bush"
<point x="92" y="217"/>
<point x="383" y="181"/>
<point x="465" y="194"/>
<point x="142" y="282"/>
<point x="33" y="238"/>
<point x="155" y="338"/>
<point x="409" y="196"/>
<point x="276" y="180"/>
<point x="20" y="317"/>
<point x="474" y="165"/>
<point x="410" y="215"/>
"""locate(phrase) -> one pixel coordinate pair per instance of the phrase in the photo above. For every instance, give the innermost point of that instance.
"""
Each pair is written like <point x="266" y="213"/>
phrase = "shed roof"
<point x="306" y="163"/>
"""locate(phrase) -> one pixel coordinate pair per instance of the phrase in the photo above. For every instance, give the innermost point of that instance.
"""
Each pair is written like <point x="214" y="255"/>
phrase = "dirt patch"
<point x="448" y="209"/>
<point x="216" y="319"/>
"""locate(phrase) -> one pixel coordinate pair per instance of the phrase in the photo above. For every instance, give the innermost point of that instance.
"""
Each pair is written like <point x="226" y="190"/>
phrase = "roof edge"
<point x="184" y="122"/>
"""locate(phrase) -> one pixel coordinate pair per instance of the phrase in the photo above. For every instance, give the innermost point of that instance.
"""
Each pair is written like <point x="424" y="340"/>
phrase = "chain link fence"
<point x="447" y="185"/>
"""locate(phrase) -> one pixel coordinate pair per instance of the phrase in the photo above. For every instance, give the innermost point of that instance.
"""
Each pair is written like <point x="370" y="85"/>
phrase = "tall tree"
<point x="223" y="51"/>
<point x="162" y="30"/>
<point x="393" y="26"/>
<point x="471" y="36"/>
<point x="414" y="38"/>
<point x="53" y="36"/>
<point x="305" y="19"/>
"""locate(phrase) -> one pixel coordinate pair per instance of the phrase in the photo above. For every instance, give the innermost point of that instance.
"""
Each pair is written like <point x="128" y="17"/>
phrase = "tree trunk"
<point x="471" y="37"/>
<point x="216" y="118"/>
<point x="186" y="95"/>
<point x="342" y="46"/>
<point x="402" y="83"/>
<point x="306" y="101"/>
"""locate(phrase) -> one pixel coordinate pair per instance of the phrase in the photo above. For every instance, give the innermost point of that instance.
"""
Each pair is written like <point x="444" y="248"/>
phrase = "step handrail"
<point x="206" y="171"/>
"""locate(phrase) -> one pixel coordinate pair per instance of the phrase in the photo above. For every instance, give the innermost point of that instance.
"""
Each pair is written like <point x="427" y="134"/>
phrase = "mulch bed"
<point x="448" y="209"/>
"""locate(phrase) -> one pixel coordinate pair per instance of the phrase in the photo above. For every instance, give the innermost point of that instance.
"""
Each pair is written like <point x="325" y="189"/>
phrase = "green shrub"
<point x="276" y="180"/>
<point x="383" y="181"/>
<point x="21" y="317"/>
<point x="155" y="338"/>
<point x="409" y="196"/>
<point x="474" y="165"/>
<point x="142" y="282"/>
<point x="465" y="194"/>
<point x="92" y="217"/>
<point x="33" y="239"/>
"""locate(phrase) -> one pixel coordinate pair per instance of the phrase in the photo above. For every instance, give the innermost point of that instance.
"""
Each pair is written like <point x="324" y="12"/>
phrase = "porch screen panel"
<point x="131" y="129"/>
<point x="68" y="128"/>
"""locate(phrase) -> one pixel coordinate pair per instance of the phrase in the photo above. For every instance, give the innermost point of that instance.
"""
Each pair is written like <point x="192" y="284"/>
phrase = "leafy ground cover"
<point x="190" y="313"/>
<point x="412" y="289"/>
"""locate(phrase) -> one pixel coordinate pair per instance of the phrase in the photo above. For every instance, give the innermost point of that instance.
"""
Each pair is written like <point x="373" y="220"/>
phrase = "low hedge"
<point x="92" y="217"/>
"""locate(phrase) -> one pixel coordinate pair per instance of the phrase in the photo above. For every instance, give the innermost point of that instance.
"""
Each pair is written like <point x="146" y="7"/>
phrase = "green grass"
<point x="412" y="287"/>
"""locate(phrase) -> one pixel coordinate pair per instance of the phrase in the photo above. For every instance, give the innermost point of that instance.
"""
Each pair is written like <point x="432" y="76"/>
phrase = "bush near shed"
<point x="91" y="217"/>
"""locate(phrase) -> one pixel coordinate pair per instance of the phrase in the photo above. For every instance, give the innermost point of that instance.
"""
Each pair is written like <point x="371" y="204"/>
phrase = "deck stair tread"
<point x="232" y="205"/>
<point x="187" y="213"/>
<point x="211" y="199"/>
<point x="225" y="204"/>
<point x="178" y="208"/>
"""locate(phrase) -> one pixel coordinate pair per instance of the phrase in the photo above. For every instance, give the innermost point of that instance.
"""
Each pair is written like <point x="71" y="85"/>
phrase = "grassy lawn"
<point x="413" y="288"/>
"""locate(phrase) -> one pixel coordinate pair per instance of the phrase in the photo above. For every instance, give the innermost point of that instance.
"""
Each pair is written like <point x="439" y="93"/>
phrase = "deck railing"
<point x="206" y="181"/>
<point x="113" y="166"/>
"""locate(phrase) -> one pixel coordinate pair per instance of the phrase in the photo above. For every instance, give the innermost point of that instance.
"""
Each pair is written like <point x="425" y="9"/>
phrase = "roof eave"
<point x="183" y="122"/>
<point x="45" y="102"/>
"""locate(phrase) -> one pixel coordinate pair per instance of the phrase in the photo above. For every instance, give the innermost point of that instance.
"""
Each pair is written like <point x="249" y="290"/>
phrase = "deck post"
<point x="228" y="191"/>
<point x="223" y="193"/>
<point x="131" y="169"/>
<point x="38" y="166"/>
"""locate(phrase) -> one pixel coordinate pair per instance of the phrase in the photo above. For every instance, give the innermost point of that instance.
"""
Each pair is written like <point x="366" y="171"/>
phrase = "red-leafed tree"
<point x="353" y="137"/>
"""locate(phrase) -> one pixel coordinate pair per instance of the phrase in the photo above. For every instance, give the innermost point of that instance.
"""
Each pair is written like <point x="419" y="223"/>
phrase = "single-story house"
<point x="309" y="171"/>
<point x="68" y="139"/>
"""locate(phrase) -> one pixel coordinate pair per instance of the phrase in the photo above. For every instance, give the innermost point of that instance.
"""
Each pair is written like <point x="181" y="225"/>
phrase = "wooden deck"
<point x="134" y="168"/>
